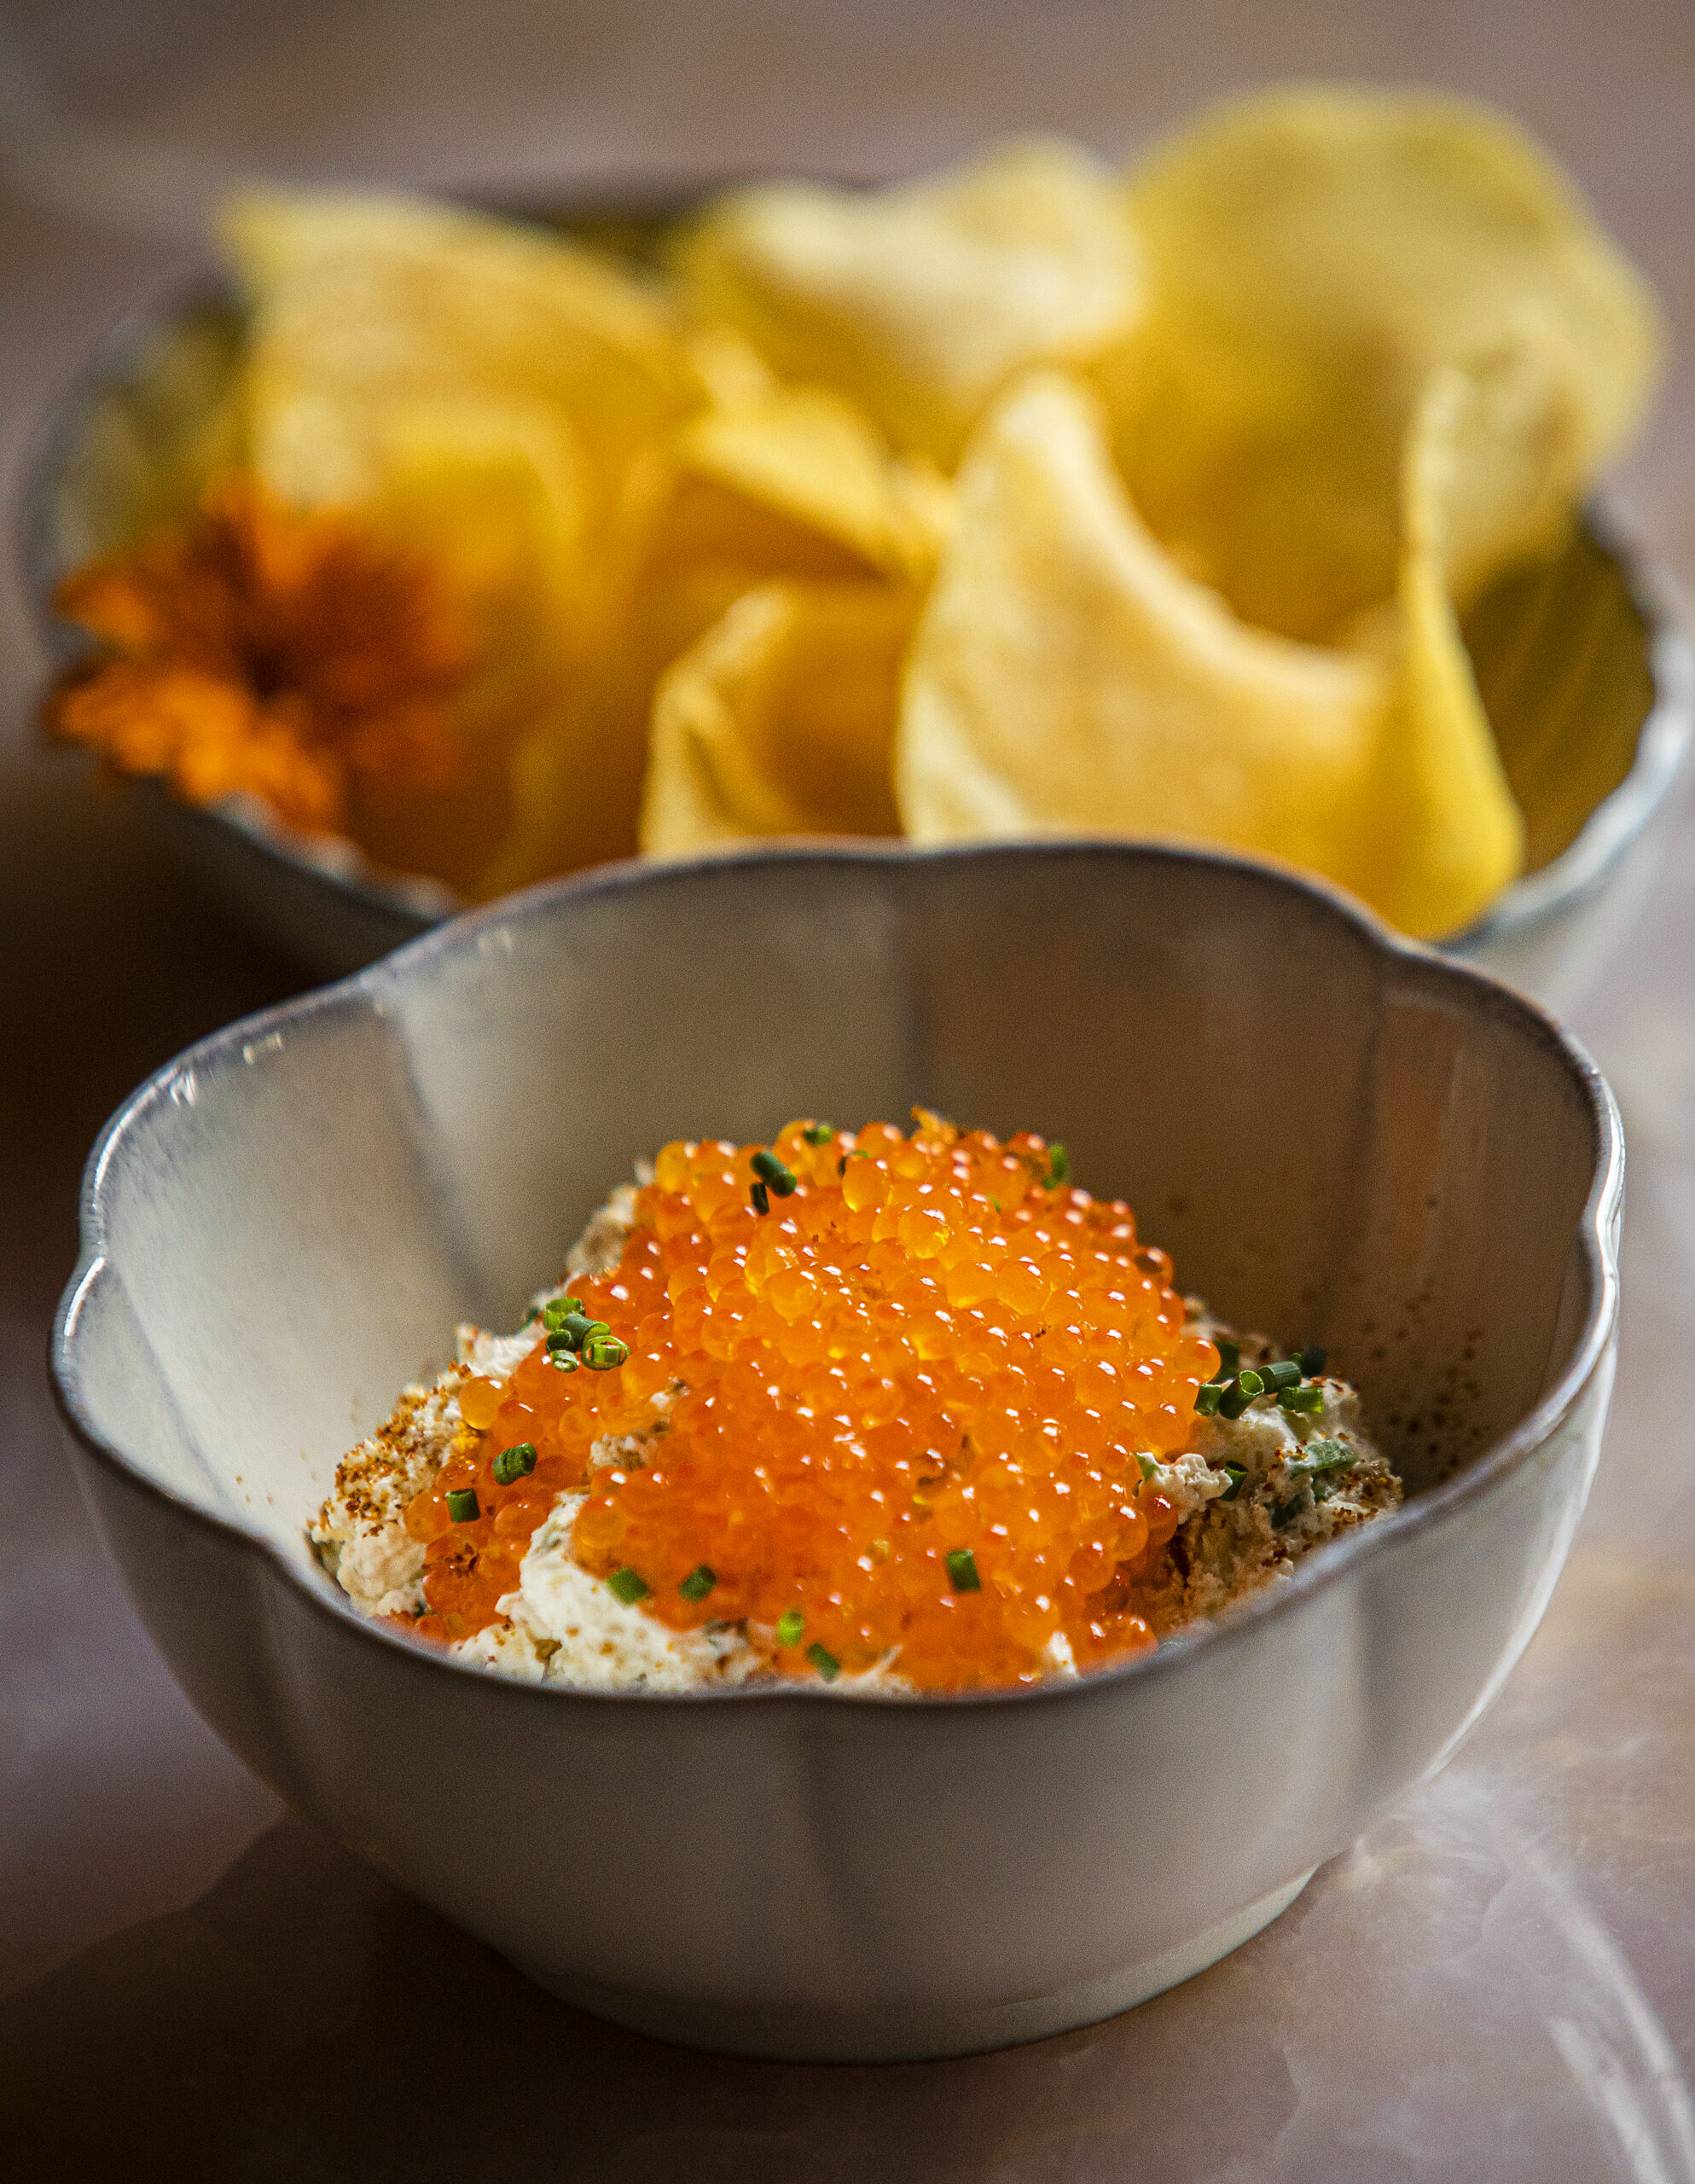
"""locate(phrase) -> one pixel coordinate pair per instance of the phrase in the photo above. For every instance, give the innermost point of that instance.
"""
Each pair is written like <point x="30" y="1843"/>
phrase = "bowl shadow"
<point x="306" y="2019"/>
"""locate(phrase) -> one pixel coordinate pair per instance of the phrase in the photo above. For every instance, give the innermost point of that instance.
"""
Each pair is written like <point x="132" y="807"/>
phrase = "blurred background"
<point x="1499" y="1981"/>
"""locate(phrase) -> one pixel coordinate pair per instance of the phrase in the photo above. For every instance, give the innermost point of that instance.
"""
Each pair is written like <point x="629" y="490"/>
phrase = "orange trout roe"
<point x="911" y="1399"/>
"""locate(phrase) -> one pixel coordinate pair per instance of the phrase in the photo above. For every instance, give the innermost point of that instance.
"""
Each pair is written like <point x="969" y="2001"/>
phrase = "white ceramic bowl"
<point x="1341" y="1138"/>
<point x="1588" y="679"/>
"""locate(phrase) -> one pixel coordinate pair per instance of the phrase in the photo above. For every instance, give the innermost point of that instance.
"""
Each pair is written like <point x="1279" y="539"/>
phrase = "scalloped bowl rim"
<point x="1596" y="1230"/>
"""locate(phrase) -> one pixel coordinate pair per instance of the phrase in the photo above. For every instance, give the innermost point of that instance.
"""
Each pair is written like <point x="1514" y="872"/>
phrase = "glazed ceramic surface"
<point x="1341" y="1138"/>
<point x="1588" y="682"/>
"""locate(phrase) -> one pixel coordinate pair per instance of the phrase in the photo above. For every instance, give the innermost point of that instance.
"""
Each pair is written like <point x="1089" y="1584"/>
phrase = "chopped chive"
<point x="558" y="1310"/>
<point x="569" y="1330"/>
<point x="769" y="1170"/>
<point x="1325" y="1454"/>
<point x="1207" y="1398"/>
<point x="1302" y="1401"/>
<point x="1285" y="1375"/>
<point x="531" y="1316"/>
<point x="1311" y="1360"/>
<point x="826" y="1664"/>
<point x="1149" y="1465"/>
<point x="1286" y="1512"/>
<point x="1229" y="1360"/>
<point x="962" y="1571"/>
<point x="626" y="1586"/>
<point x="565" y="1359"/>
<point x="514" y="1463"/>
<point x="697" y="1584"/>
<point x="1251" y="1383"/>
<point x="790" y="1624"/>
<point x="462" y="1505"/>
<point x="1234" y="1400"/>
<point x="841" y="1165"/>
<point x="1236" y="1474"/>
<point x="761" y="1198"/>
<point x="602" y="1351"/>
<point x="819" y="1133"/>
<point x="1058" y="1166"/>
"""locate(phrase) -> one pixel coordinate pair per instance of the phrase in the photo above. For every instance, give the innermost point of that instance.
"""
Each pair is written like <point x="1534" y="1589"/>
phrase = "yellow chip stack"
<point x="1029" y="499"/>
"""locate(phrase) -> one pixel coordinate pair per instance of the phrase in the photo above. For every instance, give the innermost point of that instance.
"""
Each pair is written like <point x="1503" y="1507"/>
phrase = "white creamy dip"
<point x="1249" y="1500"/>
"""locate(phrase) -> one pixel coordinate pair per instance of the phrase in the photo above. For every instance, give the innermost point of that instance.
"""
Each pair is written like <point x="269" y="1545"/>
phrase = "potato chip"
<point x="360" y="301"/>
<point x="497" y="496"/>
<point x="730" y="370"/>
<point x="773" y="483"/>
<point x="1312" y="255"/>
<point x="811" y="458"/>
<point x="1067" y="677"/>
<point x="780" y="721"/>
<point x="488" y="391"/>
<point x="919" y="303"/>
<point x="1451" y="835"/>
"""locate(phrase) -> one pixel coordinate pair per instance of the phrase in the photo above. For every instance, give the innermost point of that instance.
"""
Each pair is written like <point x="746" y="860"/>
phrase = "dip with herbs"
<point x="869" y="1410"/>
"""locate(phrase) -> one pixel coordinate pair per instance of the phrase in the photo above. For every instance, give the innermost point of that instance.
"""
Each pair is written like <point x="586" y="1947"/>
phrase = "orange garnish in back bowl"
<point x="255" y="649"/>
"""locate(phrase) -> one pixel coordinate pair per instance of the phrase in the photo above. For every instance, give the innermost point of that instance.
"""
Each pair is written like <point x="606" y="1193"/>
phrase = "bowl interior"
<point x="1340" y="1140"/>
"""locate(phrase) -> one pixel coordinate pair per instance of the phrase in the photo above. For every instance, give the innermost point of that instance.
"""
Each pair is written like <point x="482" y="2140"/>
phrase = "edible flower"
<point x="257" y="649"/>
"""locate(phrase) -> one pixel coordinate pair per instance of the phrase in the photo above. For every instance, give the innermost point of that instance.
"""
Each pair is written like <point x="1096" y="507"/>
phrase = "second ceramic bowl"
<point x="1340" y="1138"/>
<point x="1588" y="680"/>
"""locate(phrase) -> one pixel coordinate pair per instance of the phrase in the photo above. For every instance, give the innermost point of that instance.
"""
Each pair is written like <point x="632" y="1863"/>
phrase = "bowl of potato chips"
<point x="1244" y="496"/>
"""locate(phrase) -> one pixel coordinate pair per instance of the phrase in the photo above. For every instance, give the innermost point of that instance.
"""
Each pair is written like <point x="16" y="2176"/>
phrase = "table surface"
<point x="1500" y="1980"/>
